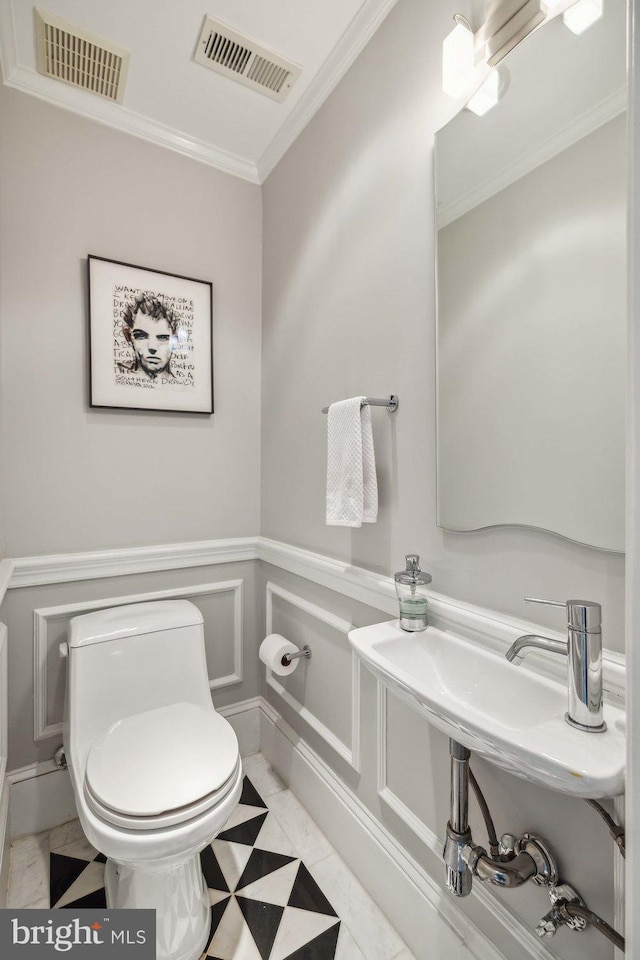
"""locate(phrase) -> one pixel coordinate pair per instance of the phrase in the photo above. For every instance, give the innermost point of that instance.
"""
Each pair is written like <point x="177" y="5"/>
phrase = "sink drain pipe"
<point x="527" y="859"/>
<point x="459" y="878"/>
<point x="512" y="861"/>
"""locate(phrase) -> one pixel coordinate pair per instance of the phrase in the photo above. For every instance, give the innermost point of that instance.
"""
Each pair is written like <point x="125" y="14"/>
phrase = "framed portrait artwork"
<point x="150" y="337"/>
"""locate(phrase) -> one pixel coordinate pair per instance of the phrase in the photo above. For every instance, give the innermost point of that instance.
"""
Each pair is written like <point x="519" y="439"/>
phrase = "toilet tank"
<point x="126" y="660"/>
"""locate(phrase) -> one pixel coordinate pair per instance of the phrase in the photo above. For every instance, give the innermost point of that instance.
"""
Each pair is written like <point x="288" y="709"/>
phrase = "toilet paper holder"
<point x="288" y="657"/>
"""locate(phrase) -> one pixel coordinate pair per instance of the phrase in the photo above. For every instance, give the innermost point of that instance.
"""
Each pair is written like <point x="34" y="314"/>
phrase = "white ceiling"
<point x="172" y="100"/>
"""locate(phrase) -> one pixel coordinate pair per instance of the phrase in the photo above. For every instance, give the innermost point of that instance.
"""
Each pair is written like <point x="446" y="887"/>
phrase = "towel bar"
<point x="391" y="404"/>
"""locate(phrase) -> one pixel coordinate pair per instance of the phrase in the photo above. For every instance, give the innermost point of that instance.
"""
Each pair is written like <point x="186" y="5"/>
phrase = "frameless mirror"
<point x="531" y="207"/>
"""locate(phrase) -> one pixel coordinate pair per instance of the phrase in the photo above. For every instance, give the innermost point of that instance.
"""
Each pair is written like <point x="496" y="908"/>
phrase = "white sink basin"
<point x="508" y="714"/>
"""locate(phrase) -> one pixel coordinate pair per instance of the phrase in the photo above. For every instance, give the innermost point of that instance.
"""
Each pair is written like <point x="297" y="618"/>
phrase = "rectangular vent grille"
<point x="268" y="74"/>
<point x="225" y="52"/>
<point x="73" y="55"/>
<point x="239" y="58"/>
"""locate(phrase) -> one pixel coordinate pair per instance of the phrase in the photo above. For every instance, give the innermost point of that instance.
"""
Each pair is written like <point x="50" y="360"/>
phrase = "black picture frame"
<point x="150" y="339"/>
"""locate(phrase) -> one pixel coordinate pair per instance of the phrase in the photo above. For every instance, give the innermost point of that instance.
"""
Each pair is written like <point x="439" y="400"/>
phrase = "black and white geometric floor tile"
<point x="265" y="905"/>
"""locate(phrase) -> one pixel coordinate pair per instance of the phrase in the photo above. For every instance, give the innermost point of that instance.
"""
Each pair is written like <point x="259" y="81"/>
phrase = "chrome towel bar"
<point x="391" y="404"/>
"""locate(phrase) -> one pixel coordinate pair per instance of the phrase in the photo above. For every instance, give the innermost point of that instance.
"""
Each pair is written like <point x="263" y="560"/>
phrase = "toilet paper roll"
<point x="272" y="650"/>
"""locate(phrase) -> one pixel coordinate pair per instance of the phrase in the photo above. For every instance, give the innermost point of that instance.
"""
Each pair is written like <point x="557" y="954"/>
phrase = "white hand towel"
<point x="352" y="487"/>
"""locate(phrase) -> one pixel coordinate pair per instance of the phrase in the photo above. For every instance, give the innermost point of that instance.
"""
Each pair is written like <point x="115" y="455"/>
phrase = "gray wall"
<point x="78" y="478"/>
<point x="83" y="479"/>
<point x="348" y="309"/>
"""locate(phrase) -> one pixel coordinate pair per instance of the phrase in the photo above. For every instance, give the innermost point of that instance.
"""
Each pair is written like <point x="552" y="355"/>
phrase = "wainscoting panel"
<point x="408" y="750"/>
<point x="221" y="607"/>
<point x="337" y="669"/>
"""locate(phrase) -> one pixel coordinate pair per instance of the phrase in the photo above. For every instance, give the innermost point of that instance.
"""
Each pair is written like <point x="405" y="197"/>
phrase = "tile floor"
<point x="278" y="889"/>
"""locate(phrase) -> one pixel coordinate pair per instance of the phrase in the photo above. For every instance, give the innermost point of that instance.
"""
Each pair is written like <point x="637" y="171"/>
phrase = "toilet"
<point x="155" y="770"/>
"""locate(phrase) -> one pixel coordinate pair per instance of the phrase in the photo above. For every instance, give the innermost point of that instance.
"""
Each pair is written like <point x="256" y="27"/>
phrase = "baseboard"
<point x="413" y="902"/>
<point x="40" y="796"/>
<point x="244" y="717"/>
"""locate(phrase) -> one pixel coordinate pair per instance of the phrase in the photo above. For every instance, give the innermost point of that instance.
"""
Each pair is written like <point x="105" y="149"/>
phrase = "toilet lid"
<point x="153" y="762"/>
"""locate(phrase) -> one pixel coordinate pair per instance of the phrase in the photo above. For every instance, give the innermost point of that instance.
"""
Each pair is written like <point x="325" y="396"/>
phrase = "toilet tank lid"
<point x="133" y="619"/>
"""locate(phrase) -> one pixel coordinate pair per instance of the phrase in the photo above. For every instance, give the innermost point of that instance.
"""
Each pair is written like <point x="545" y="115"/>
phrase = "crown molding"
<point x="127" y="121"/>
<point x="109" y="114"/>
<point x="354" y="39"/>
<point x="604" y="111"/>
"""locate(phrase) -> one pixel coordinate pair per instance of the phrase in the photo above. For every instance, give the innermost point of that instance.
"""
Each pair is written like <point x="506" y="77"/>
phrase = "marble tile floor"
<point x="278" y="889"/>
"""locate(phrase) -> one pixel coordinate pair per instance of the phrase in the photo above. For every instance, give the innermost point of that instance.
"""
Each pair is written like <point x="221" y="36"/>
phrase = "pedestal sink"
<point x="509" y="715"/>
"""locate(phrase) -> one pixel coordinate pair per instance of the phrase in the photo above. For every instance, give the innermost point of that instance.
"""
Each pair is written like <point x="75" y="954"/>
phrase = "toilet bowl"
<point x="155" y="770"/>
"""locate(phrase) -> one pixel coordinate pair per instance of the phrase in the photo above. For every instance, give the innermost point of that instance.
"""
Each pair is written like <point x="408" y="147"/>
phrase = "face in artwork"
<point x="153" y="342"/>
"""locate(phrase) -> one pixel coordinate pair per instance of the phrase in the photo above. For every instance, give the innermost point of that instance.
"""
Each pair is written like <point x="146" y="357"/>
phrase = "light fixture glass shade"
<point x="556" y="7"/>
<point x="582" y="15"/>
<point x="486" y="96"/>
<point x="458" y="78"/>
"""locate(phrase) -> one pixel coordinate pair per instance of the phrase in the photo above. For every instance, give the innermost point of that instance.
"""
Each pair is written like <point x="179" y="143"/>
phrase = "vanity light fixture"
<point x="469" y="59"/>
<point x="582" y="15"/>
<point x="458" y="74"/>
<point x="507" y="23"/>
<point x="486" y="96"/>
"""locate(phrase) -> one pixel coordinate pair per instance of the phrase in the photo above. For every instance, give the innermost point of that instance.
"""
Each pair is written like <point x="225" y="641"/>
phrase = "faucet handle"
<point x="548" y="603"/>
<point x="585" y="615"/>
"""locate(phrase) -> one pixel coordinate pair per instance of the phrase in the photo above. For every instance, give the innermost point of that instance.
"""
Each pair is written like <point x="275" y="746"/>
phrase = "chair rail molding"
<point x="349" y="753"/>
<point x="44" y="616"/>
<point x="6" y="573"/>
<point x="492" y="630"/>
<point x="489" y="629"/>
<point x="103" y="564"/>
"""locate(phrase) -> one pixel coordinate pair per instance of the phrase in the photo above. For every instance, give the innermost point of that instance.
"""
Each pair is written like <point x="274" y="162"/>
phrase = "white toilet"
<point x="155" y="770"/>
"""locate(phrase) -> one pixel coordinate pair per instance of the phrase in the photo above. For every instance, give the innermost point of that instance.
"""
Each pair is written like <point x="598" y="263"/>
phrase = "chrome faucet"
<point x="583" y="649"/>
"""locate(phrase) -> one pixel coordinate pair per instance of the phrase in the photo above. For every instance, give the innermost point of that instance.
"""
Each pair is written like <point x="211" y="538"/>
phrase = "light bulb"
<point x="457" y="62"/>
<point x="486" y="96"/>
<point x="582" y="15"/>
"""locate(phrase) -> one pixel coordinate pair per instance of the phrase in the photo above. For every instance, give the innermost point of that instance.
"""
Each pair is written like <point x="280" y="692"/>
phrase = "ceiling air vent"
<point x="239" y="58"/>
<point x="73" y="55"/>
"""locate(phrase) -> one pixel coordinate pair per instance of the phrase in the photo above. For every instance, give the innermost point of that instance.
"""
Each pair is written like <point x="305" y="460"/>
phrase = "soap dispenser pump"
<point x="411" y="589"/>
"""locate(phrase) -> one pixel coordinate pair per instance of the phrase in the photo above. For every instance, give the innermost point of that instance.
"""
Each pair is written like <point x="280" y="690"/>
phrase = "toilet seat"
<point x="172" y="818"/>
<point x="161" y="767"/>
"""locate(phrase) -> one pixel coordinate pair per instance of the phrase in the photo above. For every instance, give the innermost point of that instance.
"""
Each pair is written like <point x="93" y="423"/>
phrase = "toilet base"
<point x="179" y="895"/>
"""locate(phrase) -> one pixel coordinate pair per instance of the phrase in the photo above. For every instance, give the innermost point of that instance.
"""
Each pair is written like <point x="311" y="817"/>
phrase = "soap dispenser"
<point x="411" y="588"/>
